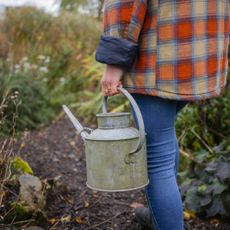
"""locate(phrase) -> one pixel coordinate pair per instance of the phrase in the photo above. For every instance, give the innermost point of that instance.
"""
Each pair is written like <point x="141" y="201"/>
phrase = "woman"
<point x="165" y="53"/>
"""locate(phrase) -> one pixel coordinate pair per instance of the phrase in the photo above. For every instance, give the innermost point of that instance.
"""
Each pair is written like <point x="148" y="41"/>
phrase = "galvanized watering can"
<point x="115" y="152"/>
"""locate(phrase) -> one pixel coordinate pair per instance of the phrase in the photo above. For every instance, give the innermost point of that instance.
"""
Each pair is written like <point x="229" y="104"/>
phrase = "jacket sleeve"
<point x="123" y="20"/>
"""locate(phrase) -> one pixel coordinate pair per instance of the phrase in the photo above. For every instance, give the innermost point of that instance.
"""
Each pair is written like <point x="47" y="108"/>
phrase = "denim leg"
<point x="180" y="105"/>
<point x="162" y="192"/>
<point x="177" y="155"/>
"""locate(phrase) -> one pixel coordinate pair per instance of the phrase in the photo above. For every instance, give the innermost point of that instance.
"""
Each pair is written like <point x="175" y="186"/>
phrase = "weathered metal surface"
<point x="113" y="134"/>
<point x="113" y="120"/>
<point x="112" y="168"/>
<point x="115" y="152"/>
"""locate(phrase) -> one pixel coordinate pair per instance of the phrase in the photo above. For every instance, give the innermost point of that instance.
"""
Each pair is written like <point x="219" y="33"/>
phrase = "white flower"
<point x="43" y="69"/>
<point x="34" y="66"/>
<point x="62" y="80"/>
<point x="24" y="59"/>
<point x="17" y="66"/>
<point x="47" y="60"/>
<point x="41" y="57"/>
<point x="26" y="66"/>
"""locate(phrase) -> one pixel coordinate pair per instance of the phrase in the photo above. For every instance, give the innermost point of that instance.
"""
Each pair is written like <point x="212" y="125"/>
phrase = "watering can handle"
<point x="141" y="141"/>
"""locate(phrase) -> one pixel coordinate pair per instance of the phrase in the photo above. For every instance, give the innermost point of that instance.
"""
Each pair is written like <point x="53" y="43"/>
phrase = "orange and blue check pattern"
<point x="183" y="45"/>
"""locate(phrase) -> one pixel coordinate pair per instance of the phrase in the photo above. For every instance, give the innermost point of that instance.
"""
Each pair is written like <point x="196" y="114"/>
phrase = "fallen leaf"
<point x="86" y="204"/>
<point x="22" y="145"/>
<point x="72" y="143"/>
<point x="95" y="195"/>
<point x="136" y="205"/>
<point x="53" y="221"/>
<point x="189" y="214"/>
<point x="79" y="220"/>
<point x="215" y="221"/>
<point x="66" y="219"/>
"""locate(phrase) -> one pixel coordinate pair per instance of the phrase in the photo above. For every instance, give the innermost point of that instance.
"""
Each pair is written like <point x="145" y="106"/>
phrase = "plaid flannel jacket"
<point x="174" y="49"/>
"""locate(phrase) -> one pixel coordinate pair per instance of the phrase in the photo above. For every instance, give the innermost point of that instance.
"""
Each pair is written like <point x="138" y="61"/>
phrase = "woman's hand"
<point x="111" y="80"/>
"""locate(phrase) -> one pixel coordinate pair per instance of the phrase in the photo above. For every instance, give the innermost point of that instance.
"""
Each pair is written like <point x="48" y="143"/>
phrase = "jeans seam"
<point x="154" y="221"/>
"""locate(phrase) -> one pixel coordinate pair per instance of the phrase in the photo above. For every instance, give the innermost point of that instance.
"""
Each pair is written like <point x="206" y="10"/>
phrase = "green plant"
<point x="22" y="166"/>
<point x="93" y="8"/>
<point x="31" y="32"/>
<point x="205" y="186"/>
<point x="204" y="177"/>
<point x="71" y="5"/>
<point x="26" y="89"/>
<point x="45" y="62"/>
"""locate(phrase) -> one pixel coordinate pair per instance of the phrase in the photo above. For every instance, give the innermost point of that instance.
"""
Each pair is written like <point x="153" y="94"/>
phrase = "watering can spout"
<point x="81" y="130"/>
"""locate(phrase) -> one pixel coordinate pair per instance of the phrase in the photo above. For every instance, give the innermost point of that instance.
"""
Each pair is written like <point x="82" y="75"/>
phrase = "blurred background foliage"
<point x="47" y="61"/>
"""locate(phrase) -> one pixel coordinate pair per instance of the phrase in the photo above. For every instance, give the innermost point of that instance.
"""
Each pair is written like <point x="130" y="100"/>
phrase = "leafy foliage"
<point x="43" y="64"/>
<point x="205" y="136"/>
<point x="32" y="97"/>
<point x="71" y="5"/>
<point x="205" y="185"/>
<point x="92" y="6"/>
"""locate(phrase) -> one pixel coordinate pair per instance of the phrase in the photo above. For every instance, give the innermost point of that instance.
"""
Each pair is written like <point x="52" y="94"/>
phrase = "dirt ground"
<point x="56" y="155"/>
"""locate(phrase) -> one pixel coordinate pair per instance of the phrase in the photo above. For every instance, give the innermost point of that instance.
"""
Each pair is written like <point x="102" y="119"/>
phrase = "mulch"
<point x="56" y="155"/>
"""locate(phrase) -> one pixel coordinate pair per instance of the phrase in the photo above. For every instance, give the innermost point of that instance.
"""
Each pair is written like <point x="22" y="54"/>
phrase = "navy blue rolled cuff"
<point x="116" y="51"/>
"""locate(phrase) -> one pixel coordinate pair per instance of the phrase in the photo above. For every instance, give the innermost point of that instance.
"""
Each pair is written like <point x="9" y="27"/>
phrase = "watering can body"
<point x="115" y="152"/>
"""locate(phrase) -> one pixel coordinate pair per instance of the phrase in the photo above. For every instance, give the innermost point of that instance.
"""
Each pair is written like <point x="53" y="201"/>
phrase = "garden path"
<point x="56" y="155"/>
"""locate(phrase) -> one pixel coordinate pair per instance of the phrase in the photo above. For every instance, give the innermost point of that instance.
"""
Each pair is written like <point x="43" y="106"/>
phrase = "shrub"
<point x="205" y="139"/>
<point x="41" y="59"/>
<point x="26" y="88"/>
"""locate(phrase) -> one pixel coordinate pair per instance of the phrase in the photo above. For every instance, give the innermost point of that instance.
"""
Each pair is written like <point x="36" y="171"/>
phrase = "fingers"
<point x="111" y="80"/>
<point x="106" y="87"/>
<point x="114" y="88"/>
<point x="110" y="88"/>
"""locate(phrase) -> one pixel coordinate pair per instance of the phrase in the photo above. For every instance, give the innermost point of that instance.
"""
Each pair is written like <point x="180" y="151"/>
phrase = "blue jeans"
<point x="162" y="193"/>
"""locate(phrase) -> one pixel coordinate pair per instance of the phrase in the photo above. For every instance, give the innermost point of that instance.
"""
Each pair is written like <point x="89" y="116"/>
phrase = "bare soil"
<point x="56" y="155"/>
